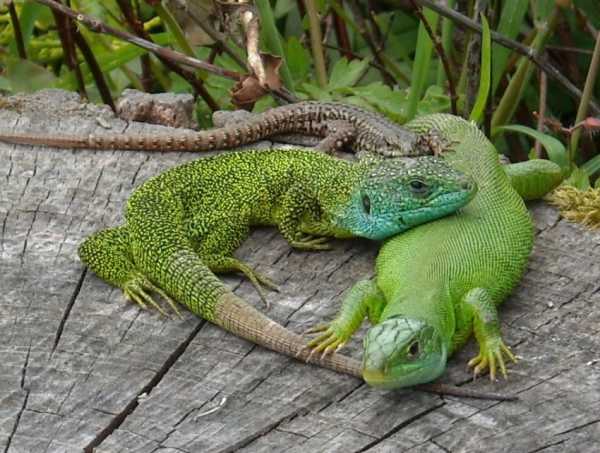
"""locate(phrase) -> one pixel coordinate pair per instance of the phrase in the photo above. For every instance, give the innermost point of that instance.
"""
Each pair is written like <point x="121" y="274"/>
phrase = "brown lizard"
<point x="337" y="125"/>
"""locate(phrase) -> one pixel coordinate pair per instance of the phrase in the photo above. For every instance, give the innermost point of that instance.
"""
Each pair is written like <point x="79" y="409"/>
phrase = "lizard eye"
<point x="413" y="350"/>
<point x="366" y="204"/>
<point x="418" y="187"/>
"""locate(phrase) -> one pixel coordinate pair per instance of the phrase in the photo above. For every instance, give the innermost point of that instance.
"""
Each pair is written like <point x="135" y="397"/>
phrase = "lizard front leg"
<point x="294" y="205"/>
<point x="364" y="300"/>
<point x="486" y="327"/>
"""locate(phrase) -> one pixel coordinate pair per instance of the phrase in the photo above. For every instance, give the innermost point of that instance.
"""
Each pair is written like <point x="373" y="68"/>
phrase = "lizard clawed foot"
<point x="331" y="340"/>
<point x="491" y="356"/>
<point x="433" y="142"/>
<point x="136" y="290"/>
<point x="258" y="281"/>
<point x="309" y="242"/>
<point x="220" y="263"/>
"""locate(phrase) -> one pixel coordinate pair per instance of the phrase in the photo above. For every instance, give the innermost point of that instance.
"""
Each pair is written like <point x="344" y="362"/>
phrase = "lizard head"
<point x="401" y="352"/>
<point x="394" y="195"/>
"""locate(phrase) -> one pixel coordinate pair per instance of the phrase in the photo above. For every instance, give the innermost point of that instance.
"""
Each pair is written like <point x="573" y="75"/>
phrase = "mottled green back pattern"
<point x="170" y="214"/>
<point x="425" y="272"/>
<point x="184" y="222"/>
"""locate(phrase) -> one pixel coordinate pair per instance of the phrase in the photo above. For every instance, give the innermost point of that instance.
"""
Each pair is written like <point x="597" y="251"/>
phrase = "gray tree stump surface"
<point x="81" y="368"/>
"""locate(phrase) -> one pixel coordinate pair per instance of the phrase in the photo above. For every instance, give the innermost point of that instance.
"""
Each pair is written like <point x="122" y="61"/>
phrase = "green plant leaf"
<point x="421" y="63"/>
<point x="392" y="103"/>
<point x="28" y="15"/>
<point x="592" y="166"/>
<point x="26" y="76"/>
<point x="298" y="59"/>
<point x="5" y="84"/>
<point x="317" y="93"/>
<point x="346" y="73"/>
<point x="435" y="100"/>
<point x="485" y="74"/>
<point x="511" y="20"/>
<point x="555" y="149"/>
<point x="578" y="179"/>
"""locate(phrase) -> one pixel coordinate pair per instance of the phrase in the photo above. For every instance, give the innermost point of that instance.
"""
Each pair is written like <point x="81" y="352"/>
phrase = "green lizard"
<point x="186" y="222"/>
<point x="437" y="284"/>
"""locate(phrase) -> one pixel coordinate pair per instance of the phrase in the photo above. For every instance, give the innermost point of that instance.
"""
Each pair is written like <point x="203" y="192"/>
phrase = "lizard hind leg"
<point x="107" y="253"/>
<point x="221" y="264"/>
<point x="339" y="133"/>
<point x="224" y="235"/>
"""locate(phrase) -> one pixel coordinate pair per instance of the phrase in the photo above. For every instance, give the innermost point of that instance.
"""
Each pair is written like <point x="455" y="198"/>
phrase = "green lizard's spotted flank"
<point x="186" y="222"/>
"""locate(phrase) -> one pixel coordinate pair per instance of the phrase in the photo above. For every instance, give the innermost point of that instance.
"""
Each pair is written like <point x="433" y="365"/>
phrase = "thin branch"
<point x="569" y="49"/>
<point x="316" y="42"/>
<point x="588" y="89"/>
<point x="587" y="25"/>
<point x="542" y="114"/>
<point x="366" y="34"/>
<point x="217" y="37"/>
<point x="90" y="59"/>
<point x="528" y="52"/>
<point x="341" y="34"/>
<point x="99" y="27"/>
<point x="441" y="54"/>
<point x="147" y="79"/>
<point x="14" y="18"/>
<point x="196" y="83"/>
<point x="63" y="27"/>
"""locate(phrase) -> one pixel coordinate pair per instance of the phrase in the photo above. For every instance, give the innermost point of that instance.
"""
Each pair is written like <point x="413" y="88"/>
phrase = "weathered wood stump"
<point x="80" y="368"/>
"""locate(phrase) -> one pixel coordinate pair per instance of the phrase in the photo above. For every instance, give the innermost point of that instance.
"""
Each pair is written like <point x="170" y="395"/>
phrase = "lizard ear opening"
<point x="366" y="201"/>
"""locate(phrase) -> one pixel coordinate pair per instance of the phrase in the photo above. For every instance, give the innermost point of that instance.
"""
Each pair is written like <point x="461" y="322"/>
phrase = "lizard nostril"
<point x="466" y="185"/>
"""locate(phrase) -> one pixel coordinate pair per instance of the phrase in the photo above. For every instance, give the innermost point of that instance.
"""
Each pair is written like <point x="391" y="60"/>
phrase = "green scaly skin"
<point x="439" y="283"/>
<point x="184" y="224"/>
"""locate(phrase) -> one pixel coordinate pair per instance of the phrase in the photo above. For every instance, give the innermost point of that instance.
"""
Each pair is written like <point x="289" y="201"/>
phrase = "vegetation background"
<point x="523" y="69"/>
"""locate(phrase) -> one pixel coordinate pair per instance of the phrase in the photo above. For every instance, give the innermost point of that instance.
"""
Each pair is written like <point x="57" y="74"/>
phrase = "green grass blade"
<point x="485" y="74"/>
<point x="557" y="152"/>
<point x="516" y="88"/>
<point x="28" y="14"/>
<point x="421" y="64"/>
<point x="511" y="20"/>
<point x="592" y="166"/>
<point x="447" y="29"/>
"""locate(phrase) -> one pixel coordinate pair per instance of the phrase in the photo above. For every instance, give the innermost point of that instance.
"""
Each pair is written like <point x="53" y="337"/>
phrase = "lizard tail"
<point x="238" y="317"/>
<point x="63" y="141"/>
<point x="179" y="141"/>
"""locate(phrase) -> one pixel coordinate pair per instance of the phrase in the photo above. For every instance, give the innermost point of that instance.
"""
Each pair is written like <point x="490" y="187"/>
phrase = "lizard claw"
<point x="136" y="290"/>
<point x="331" y="340"/>
<point x="311" y="243"/>
<point x="256" y="278"/>
<point x="492" y="357"/>
<point x="316" y="329"/>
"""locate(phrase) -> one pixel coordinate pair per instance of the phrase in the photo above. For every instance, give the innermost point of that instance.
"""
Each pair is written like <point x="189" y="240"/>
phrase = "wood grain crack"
<point x="118" y="420"/>
<point x="68" y="309"/>
<point x="398" y="427"/>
